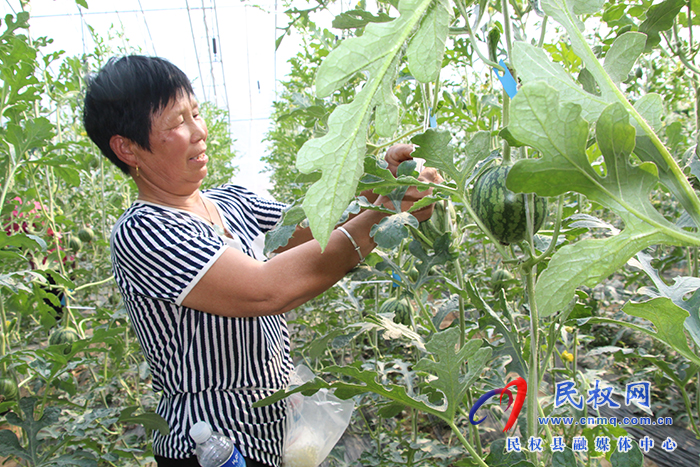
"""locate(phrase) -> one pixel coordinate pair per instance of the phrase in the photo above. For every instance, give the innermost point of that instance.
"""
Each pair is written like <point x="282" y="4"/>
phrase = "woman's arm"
<point x="238" y="285"/>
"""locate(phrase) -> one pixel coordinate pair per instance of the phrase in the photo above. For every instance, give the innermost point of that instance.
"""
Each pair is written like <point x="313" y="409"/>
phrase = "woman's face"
<point x="177" y="162"/>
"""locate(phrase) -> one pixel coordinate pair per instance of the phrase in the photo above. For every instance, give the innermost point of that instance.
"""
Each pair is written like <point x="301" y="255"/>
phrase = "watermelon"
<point x="502" y="211"/>
<point x="64" y="336"/>
<point x="400" y="307"/>
<point x="74" y="244"/>
<point x="8" y="389"/>
<point x="86" y="234"/>
<point x="500" y="278"/>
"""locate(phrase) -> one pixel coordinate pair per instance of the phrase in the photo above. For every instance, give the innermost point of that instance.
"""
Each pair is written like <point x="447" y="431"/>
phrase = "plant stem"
<point x="466" y="444"/>
<point x="473" y="428"/>
<point x="92" y="284"/>
<point x="475" y="218"/>
<point x="532" y="260"/>
<point x="4" y="339"/>
<point x="472" y="39"/>
<point x="399" y="139"/>
<point x="533" y="377"/>
<point x="507" y="30"/>
<point x="540" y="44"/>
<point x="462" y="323"/>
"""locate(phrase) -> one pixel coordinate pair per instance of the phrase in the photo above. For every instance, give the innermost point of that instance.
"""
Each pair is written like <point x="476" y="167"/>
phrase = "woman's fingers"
<point x="397" y="154"/>
<point x="413" y="194"/>
<point x="430" y="175"/>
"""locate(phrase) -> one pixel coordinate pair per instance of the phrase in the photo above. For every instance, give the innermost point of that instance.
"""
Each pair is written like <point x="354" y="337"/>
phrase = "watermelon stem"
<point x="533" y="259"/>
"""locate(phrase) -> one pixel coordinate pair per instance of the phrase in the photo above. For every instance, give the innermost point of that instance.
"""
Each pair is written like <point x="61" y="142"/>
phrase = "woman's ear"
<point x="123" y="148"/>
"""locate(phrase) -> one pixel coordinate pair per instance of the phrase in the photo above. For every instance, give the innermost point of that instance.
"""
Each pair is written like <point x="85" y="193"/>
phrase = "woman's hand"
<point x="397" y="154"/>
<point x="429" y="175"/>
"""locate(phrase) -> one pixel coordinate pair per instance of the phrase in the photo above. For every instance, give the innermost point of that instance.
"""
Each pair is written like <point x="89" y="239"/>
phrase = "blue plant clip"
<point x="507" y="80"/>
<point x="396" y="279"/>
<point x="432" y="119"/>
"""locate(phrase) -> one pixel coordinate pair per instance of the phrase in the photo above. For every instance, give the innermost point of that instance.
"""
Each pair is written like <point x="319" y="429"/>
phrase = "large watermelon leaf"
<point x="339" y="155"/>
<point x="560" y="134"/>
<point x="434" y="146"/>
<point x="445" y="364"/>
<point x="533" y="64"/>
<point x="668" y="319"/>
<point x="681" y="287"/>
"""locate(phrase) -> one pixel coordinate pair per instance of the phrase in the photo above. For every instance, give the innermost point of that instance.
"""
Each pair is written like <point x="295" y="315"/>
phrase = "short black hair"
<point x="123" y="96"/>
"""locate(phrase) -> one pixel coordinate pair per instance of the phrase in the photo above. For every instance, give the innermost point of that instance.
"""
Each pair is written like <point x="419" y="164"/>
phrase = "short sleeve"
<point x="267" y="212"/>
<point x="162" y="255"/>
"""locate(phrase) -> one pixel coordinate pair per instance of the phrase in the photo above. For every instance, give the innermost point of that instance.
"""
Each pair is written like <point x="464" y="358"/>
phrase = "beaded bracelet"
<point x="354" y="243"/>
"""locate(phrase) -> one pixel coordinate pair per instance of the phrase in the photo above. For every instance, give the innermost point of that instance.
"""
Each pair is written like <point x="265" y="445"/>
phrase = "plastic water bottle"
<point x="214" y="449"/>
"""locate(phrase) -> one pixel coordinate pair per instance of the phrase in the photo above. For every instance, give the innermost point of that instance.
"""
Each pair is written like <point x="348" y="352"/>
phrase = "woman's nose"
<point x="199" y="130"/>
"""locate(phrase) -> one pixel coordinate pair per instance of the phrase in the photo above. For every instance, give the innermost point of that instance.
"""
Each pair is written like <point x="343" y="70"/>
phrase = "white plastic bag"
<point x="314" y="423"/>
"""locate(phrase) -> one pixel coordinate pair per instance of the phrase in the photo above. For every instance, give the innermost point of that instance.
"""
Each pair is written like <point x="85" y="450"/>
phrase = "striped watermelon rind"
<point x="401" y="308"/>
<point x="8" y="389"/>
<point x="502" y="211"/>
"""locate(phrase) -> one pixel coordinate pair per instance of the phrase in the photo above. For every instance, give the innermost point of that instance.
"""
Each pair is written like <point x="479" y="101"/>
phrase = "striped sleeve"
<point x="161" y="257"/>
<point x="267" y="212"/>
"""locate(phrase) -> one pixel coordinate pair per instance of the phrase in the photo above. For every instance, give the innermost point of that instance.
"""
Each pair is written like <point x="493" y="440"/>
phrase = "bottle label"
<point x="236" y="460"/>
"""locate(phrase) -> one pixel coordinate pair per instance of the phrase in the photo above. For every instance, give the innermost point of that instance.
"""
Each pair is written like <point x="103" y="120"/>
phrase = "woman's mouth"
<point x="200" y="158"/>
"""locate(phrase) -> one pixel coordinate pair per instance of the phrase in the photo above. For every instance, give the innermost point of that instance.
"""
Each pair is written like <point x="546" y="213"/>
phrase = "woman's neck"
<point x="189" y="202"/>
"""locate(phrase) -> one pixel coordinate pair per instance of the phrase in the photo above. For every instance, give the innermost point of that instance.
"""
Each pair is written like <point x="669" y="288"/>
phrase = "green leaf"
<point x="676" y="292"/>
<point x="660" y="18"/>
<point x="447" y="366"/>
<point x="586" y="7"/>
<point x="35" y="133"/>
<point x="560" y="134"/>
<point x="391" y="329"/>
<point x="692" y="324"/>
<point x="669" y="321"/>
<point x="21" y="241"/>
<point x="512" y="345"/>
<point x="632" y="458"/>
<point x="284" y="230"/>
<point x="499" y="457"/>
<point x="9" y="446"/>
<point x="31" y="426"/>
<point x="82" y="3"/>
<point x="369" y="381"/>
<point x="647" y="151"/>
<point x="427" y="47"/>
<point x="588" y="262"/>
<point x="650" y="107"/>
<point x="434" y="146"/>
<point x="564" y="458"/>
<point x="149" y="420"/>
<point x="588" y="82"/>
<point x="623" y="54"/>
<point x="508" y="137"/>
<point x="339" y="154"/>
<point x="426" y="262"/>
<point x="391" y="231"/>
<point x="533" y="65"/>
<point x="358" y="19"/>
<point x="76" y="459"/>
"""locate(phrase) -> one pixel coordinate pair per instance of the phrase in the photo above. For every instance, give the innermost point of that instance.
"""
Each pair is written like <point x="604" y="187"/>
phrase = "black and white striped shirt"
<point x="207" y="367"/>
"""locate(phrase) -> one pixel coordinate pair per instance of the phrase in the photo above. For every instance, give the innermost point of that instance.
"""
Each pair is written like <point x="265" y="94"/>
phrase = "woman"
<point x="207" y="313"/>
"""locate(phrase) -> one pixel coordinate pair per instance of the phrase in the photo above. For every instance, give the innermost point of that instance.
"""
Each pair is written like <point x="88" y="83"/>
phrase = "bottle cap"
<point x="200" y="432"/>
